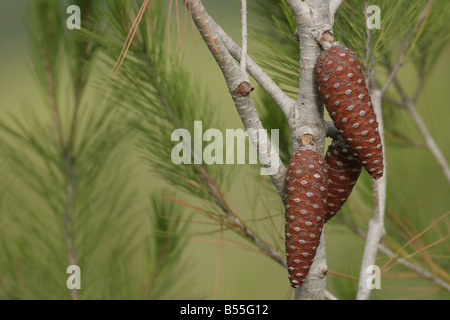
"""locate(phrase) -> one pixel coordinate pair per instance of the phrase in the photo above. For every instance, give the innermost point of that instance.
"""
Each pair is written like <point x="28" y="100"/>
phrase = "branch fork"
<point x="304" y="116"/>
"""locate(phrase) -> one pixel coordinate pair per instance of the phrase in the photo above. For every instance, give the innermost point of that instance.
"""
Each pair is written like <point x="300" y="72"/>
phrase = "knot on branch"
<point x="307" y="137"/>
<point x="323" y="35"/>
<point x="322" y="271"/>
<point x="243" y="89"/>
<point x="307" y="140"/>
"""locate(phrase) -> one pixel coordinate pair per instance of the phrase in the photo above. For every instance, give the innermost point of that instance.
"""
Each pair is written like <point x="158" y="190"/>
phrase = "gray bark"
<point x="234" y="78"/>
<point x="376" y="229"/>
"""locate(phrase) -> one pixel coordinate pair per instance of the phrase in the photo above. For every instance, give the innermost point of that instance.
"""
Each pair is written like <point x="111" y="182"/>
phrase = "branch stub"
<point x="243" y="89"/>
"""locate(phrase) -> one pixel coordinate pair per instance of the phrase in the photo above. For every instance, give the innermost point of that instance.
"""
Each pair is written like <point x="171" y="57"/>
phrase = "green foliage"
<point x="343" y="287"/>
<point x="157" y="96"/>
<point x="167" y="242"/>
<point x="399" y="23"/>
<point x="432" y="36"/>
<point x="65" y="195"/>
<point x="397" y="19"/>
<point x="276" y="33"/>
<point x="66" y="173"/>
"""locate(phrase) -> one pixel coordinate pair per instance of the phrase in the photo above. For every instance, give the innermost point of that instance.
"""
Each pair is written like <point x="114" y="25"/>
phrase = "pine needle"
<point x="130" y="37"/>
<point x="385" y="268"/>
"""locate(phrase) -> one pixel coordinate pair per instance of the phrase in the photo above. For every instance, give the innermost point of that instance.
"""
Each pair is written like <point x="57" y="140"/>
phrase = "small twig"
<point x="429" y="141"/>
<point x="395" y="68"/>
<point x="394" y="102"/>
<point x="421" y="77"/>
<point x="409" y="104"/>
<point x="376" y="229"/>
<point x="285" y="103"/>
<point x="405" y="46"/>
<point x="419" y="270"/>
<point x="243" y="65"/>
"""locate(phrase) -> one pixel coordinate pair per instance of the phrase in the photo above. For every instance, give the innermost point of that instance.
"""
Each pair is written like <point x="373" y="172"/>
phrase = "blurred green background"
<point x="247" y="274"/>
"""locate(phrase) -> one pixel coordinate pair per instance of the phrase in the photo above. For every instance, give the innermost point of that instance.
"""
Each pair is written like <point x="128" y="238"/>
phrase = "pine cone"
<point x="342" y="88"/>
<point x="306" y="189"/>
<point x="344" y="169"/>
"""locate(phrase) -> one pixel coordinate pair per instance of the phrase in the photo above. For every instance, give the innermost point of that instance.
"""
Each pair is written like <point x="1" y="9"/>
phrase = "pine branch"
<point x="83" y="52"/>
<point x="429" y="141"/>
<point x="238" y="85"/>
<point x="285" y="103"/>
<point x="244" y="27"/>
<point x="376" y="229"/>
<point x="396" y="23"/>
<point x="49" y="66"/>
<point x="313" y="18"/>
<point x="409" y="105"/>
<point x="165" y="246"/>
<point x="250" y="118"/>
<point x="65" y="205"/>
<point x="406" y="45"/>
<point x="158" y="99"/>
